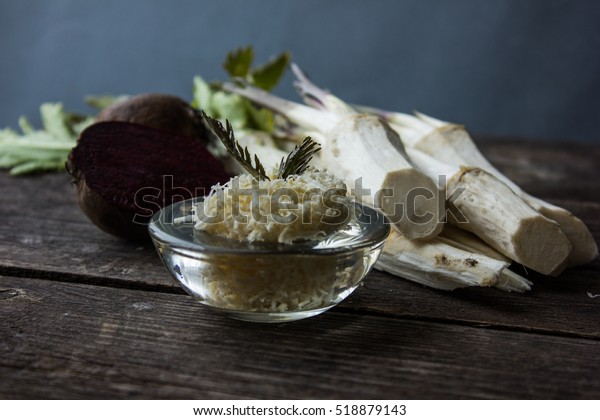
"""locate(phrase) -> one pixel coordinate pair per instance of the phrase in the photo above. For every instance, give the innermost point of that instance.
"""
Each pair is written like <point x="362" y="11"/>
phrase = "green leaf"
<point x="238" y="62"/>
<point x="41" y="150"/>
<point x="262" y="118"/>
<point x="242" y="114"/>
<point x="53" y="118"/>
<point x="78" y="127"/>
<point x="102" y="101"/>
<point x="231" y="107"/>
<point x="25" y="125"/>
<point x="8" y="135"/>
<point x="37" y="166"/>
<point x="202" y="95"/>
<point x="268" y="75"/>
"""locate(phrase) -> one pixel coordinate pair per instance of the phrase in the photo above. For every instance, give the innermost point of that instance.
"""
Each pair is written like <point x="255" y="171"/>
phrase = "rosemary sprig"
<point x="297" y="161"/>
<point x="293" y="164"/>
<point x="241" y="154"/>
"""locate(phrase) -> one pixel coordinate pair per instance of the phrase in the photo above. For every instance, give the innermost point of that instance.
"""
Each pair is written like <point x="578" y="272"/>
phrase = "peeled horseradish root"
<point x="125" y="172"/>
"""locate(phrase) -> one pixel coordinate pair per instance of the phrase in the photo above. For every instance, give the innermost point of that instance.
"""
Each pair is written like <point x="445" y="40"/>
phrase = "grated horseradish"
<point x="302" y="207"/>
<point x="314" y="204"/>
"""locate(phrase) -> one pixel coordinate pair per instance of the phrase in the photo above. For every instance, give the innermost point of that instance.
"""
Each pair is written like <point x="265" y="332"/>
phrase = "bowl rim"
<point x="375" y="238"/>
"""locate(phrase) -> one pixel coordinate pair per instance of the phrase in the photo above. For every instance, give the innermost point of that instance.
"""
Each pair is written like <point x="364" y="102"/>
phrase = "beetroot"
<point x="125" y="172"/>
<point x="157" y="110"/>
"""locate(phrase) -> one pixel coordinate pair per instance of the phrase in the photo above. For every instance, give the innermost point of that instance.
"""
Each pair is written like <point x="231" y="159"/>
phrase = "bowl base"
<point x="271" y="317"/>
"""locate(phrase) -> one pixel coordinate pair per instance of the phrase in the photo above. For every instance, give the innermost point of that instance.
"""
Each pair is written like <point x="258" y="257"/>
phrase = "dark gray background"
<point x="504" y="67"/>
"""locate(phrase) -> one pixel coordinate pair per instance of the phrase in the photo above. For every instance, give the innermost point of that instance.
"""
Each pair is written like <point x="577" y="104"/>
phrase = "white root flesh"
<point x="585" y="248"/>
<point x="485" y="206"/>
<point x="463" y="248"/>
<point x="459" y="259"/>
<point x="442" y="266"/>
<point x="308" y="118"/>
<point x="317" y="97"/>
<point x="452" y="144"/>
<point x="352" y="142"/>
<point x="263" y="145"/>
<point x="512" y="282"/>
<point x="469" y="242"/>
<point x="509" y="280"/>
<point x="363" y="141"/>
<point x="493" y="212"/>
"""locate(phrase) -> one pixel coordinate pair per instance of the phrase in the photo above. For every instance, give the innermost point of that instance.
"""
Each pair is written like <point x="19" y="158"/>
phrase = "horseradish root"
<point x="353" y="142"/>
<point x="452" y="144"/>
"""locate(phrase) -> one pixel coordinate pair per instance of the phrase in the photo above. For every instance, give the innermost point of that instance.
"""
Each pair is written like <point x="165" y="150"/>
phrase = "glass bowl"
<point x="268" y="282"/>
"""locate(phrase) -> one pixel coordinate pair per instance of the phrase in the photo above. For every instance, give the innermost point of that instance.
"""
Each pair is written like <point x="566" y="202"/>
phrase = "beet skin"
<point x="125" y="172"/>
<point x="157" y="110"/>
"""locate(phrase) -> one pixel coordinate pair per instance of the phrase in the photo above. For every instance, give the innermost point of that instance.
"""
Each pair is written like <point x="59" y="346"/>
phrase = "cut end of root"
<point x="542" y="246"/>
<point x="416" y="207"/>
<point x="585" y="249"/>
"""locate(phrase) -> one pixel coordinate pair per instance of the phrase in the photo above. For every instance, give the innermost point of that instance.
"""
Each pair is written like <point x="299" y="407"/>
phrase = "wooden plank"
<point x="44" y="233"/>
<point x="556" y="306"/>
<point x="44" y="230"/>
<point x="548" y="170"/>
<point x="63" y="340"/>
<point x="63" y="244"/>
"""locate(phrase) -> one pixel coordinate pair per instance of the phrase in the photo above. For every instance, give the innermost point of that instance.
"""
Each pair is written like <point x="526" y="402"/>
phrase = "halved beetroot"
<point x="157" y="110"/>
<point x="125" y="172"/>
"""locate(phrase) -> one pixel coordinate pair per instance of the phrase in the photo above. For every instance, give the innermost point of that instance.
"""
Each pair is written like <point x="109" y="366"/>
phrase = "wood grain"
<point x="554" y="306"/>
<point x="45" y="235"/>
<point x="82" y="341"/>
<point x="565" y="171"/>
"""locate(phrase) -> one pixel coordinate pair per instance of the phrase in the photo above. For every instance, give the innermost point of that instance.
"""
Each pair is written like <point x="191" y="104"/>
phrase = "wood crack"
<point x="8" y="271"/>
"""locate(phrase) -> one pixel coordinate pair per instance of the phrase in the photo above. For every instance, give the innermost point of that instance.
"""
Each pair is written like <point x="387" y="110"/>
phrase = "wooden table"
<point x="85" y="315"/>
